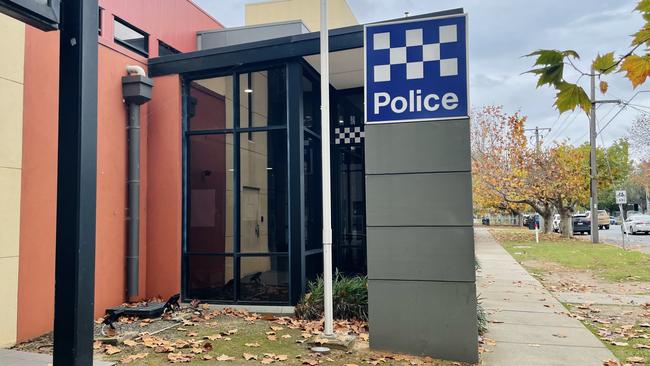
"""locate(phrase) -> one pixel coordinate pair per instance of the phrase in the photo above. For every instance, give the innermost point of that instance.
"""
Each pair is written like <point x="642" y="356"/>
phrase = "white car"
<point x="636" y="224"/>
<point x="556" y="223"/>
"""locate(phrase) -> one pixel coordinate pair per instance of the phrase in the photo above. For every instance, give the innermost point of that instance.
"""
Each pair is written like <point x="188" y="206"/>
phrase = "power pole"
<point x="593" y="201"/>
<point x="538" y="141"/>
<point x="592" y="161"/>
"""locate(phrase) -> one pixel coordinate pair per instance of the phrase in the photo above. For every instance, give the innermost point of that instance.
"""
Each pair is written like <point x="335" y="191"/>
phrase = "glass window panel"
<point x="311" y="104"/>
<point x="313" y="266"/>
<point x="264" y="279"/>
<point x="351" y="260"/>
<point x="313" y="193"/>
<point x="127" y="35"/>
<point x="264" y="193"/>
<point x="165" y="50"/>
<point x="210" y="278"/>
<point x="210" y="104"/>
<point x="210" y="194"/>
<point x="259" y="107"/>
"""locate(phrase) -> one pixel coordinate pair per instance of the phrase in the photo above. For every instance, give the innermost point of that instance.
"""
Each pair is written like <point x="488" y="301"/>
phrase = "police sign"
<point x="416" y="70"/>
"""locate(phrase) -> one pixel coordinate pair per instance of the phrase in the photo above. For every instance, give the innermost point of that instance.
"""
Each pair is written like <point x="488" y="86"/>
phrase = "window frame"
<point x="236" y="131"/>
<point x="125" y="44"/>
<point x="165" y="45"/>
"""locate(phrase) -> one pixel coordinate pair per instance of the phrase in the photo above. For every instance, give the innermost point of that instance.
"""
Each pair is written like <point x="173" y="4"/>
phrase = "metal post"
<point x="593" y="162"/>
<point x="620" y="207"/>
<point x="76" y="185"/>
<point x="325" y="149"/>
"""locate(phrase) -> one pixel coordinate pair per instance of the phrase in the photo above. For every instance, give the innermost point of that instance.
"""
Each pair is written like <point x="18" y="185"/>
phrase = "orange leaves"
<point x="637" y="68"/>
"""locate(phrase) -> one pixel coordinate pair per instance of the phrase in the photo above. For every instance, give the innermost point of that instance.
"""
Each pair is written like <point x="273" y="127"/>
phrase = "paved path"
<point x="16" y="358"/>
<point x="529" y="325"/>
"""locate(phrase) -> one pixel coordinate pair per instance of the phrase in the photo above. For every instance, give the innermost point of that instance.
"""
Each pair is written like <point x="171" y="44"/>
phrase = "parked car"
<point x="636" y="224"/>
<point x="581" y="224"/>
<point x="603" y="219"/>
<point x="556" y="223"/>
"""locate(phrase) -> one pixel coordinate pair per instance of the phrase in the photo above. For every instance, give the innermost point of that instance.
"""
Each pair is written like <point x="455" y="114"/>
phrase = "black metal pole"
<point x="76" y="190"/>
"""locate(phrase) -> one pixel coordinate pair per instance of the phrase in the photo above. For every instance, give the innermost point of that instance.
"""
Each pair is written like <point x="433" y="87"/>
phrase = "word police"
<point x="415" y="102"/>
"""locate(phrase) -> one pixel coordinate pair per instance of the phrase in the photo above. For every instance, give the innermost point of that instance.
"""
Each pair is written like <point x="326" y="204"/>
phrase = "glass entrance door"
<point x="349" y="183"/>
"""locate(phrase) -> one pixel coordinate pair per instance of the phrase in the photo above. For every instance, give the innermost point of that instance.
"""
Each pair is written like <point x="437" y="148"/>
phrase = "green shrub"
<point x="350" y="298"/>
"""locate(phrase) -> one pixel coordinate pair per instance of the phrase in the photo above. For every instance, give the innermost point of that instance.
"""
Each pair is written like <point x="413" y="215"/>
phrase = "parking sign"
<point x="621" y="197"/>
<point x="416" y="70"/>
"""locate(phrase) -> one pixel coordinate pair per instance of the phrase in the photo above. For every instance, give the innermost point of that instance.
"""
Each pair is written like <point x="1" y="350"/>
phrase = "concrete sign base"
<point x="422" y="293"/>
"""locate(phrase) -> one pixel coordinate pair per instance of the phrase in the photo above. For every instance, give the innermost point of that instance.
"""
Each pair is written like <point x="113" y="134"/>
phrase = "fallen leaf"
<point x="111" y="350"/>
<point x="192" y="334"/>
<point x="207" y="357"/>
<point x="277" y="329"/>
<point x="620" y="344"/>
<point x="225" y="358"/>
<point x="252" y="345"/>
<point x="635" y="359"/>
<point x="249" y="356"/>
<point x="130" y="343"/>
<point x="272" y="338"/>
<point x="310" y="362"/>
<point x="213" y="337"/>
<point x="179" y="357"/>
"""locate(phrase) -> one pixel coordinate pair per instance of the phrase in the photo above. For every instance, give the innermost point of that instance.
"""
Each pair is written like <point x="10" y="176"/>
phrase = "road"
<point x="613" y="236"/>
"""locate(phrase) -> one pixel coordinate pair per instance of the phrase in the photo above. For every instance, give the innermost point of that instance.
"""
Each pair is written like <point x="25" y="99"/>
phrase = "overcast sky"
<point x="501" y="31"/>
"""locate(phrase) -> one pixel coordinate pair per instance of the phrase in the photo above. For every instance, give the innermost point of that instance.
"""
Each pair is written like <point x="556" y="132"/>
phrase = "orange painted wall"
<point x="164" y="196"/>
<point x="38" y="199"/>
<point x="176" y="23"/>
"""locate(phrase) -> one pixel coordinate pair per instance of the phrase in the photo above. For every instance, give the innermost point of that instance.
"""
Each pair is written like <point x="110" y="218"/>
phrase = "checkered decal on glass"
<point x="422" y="53"/>
<point x="348" y="135"/>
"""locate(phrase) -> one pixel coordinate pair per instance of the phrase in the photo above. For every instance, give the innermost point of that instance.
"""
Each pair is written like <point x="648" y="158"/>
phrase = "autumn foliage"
<point x="550" y="65"/>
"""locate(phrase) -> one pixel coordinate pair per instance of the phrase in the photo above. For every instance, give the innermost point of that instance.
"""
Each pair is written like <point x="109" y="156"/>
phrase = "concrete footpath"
<point x="10" y="357"/>
<point x="527" y="324"/>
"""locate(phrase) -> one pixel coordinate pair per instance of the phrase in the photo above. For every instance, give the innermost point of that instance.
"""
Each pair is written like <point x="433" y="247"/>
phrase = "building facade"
<point x="231" y="196"/>
<point x="130" y="33"/>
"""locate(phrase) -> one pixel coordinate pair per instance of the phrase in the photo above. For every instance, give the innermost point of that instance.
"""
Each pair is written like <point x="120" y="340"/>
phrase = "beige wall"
<point x="339" y="15"/>
<point x="12" y="49"/>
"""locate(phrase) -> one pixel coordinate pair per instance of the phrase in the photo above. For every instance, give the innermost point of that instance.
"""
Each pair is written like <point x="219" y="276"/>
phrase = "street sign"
<point x="42" y="14"/>
<point x="621" y="197"/>
<point x="416" y="70"/>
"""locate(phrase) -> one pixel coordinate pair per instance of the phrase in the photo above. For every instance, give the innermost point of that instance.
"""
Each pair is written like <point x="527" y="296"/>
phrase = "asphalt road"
<point x="613" y="236"/>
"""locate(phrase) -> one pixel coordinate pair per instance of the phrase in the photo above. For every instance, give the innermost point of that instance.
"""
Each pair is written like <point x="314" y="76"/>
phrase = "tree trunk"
<point x="566" y="226"/>
<point x="548" y="221"/>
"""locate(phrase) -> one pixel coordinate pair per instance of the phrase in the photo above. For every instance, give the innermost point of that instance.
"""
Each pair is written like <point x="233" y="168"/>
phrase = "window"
<point x="165" y="50"/>
<point x="131" y="37"/>
<point x="237" y="245"/>
<point x="101" y="11"/>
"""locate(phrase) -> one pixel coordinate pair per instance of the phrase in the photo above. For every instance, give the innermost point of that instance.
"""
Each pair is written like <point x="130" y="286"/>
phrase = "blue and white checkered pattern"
<point x="425" y="53"/>
<point x="348" y="135"/>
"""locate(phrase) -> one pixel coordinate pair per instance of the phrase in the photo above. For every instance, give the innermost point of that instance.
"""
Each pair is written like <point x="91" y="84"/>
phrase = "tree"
<point x="569" y="182"/>
<point x="550" y="66"/>
<point x="507" y="172"/>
